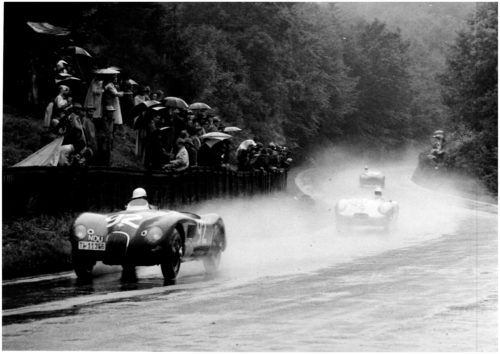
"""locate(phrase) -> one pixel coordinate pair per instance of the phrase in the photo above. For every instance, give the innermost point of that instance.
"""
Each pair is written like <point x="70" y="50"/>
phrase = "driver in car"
<point x="139" y="200"/>
<point x="378" y="193"/>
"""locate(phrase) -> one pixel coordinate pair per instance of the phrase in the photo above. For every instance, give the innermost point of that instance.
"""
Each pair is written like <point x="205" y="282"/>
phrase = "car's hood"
<point x="367" y="206"/>
<point x="132" y="221"/>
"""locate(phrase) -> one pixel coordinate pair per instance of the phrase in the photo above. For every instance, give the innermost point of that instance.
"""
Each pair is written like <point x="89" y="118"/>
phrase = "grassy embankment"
<point x="37" y="244"/>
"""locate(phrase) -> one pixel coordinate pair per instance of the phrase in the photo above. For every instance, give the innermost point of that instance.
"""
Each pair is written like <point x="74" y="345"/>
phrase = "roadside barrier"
<point x="48" y="190"/>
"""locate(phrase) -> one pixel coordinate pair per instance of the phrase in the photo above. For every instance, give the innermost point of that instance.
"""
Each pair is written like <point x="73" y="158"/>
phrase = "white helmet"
<point x="139" y="193"/>
<point x="378" y="191"/>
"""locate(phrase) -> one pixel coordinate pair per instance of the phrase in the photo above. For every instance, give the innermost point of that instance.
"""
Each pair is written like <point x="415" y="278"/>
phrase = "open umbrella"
<point x="138" y="110"/>
<point x="69" y="81"/>
<point x="79" y="51"/>
<point x="199" y="106"/>
<point x="175" y="102"/>
<point x="132" y="82"/>
<point x="231" y="129"/>
<point x="141" y="107"/>
<point x="214" y="137"/>
<point x="106" y="71"/>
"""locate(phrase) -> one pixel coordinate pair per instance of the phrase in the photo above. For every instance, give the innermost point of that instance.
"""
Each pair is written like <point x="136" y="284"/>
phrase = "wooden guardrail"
<point x="48" y="190"/>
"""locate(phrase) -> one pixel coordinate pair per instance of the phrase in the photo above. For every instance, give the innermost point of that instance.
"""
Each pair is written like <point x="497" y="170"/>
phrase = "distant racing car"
<point x="371" y="178"/>
<point x="146" y="237"/>
<point x="365" y="212"/>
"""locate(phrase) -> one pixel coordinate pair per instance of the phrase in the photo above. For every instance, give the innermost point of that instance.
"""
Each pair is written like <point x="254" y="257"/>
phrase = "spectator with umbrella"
<point x="155" y="155"/>
<point x="111" y="100"/>
<point x="212" y="150"/>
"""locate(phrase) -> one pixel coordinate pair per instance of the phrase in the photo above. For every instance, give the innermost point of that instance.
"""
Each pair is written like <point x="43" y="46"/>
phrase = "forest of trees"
<point x="304" y="74"/>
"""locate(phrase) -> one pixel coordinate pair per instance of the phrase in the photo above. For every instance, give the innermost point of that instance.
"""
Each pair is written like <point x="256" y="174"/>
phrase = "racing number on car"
<point x="123" y="219"/>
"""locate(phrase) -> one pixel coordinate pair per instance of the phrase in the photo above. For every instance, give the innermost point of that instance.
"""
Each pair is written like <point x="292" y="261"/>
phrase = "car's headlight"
<point x="154" y="234"/>
<point x="80" y="231"/>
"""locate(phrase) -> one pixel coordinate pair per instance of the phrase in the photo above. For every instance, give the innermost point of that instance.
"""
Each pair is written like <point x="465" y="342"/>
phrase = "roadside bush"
<point x="36" y="245"/>
<point x="474" y="155"/>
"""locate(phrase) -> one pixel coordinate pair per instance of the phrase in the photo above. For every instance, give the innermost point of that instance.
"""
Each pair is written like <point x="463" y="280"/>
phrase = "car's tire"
<point x="211" y="261"/>
<point x="128" y="272"/>
<point x="172" y="263"/>
<point x="83" y="267"/>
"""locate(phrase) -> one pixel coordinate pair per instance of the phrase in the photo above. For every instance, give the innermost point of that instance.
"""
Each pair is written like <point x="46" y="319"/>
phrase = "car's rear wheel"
<point x="211" y="261"/>
<point x="172" y="263"/>
<point x="82" y="266"/>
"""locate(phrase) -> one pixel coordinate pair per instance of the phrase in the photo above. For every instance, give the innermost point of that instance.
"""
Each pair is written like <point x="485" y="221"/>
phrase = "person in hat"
<point x="181" y="161"/>
<point x="111" y="101"/>
<point x="139" y="200"/>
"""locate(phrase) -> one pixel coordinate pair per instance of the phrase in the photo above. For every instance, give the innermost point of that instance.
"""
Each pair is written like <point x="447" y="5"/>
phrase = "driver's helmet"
<point x="366" y="168"/>
<point x="378" y="192"/>
<point x="139" y="193"/>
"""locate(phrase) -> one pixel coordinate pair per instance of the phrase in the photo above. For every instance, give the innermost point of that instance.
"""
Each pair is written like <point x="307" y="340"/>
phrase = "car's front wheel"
<point x="172" y="263"/>
<point x="211" y="261"/>
<point x="82" y="266"/>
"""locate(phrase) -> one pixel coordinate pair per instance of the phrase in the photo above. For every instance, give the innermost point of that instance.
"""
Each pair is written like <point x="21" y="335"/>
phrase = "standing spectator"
<point x="155" y="154"/>
<point x="127" y="103"/>
<point x="93" y="100"/>
<point x="104" y="134"/>
<point x="178" y="121"/>
<point x="112" y="102"/>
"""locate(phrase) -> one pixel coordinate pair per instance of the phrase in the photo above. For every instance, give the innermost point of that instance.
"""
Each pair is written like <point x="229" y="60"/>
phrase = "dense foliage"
<point x="300" y="74"/>
<point x="470" y="89"/>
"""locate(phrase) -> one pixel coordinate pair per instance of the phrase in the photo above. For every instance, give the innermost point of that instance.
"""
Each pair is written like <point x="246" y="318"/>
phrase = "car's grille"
<point x="117" y="243"/>
<point x="361" y="215"/>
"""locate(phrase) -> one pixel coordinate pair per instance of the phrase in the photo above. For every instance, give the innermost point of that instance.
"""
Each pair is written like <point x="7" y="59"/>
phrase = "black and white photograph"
<point x="250" y="176"/>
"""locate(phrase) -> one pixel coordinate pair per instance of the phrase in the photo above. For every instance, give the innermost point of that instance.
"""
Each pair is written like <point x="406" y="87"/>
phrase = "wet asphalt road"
<point x="289" y="282"/>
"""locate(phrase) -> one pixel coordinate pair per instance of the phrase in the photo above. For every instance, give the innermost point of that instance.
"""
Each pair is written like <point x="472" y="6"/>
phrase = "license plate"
<point x="92" y="246"/>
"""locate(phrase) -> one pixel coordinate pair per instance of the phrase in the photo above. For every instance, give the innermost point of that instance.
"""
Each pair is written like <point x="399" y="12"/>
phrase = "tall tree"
<point x="379" y="58"/>
<point x="470" y="89"/>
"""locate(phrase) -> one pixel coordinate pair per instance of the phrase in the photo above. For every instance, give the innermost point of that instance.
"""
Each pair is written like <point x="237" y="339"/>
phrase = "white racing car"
<point x="365" y="212"/>
<point x="371" y="178"/>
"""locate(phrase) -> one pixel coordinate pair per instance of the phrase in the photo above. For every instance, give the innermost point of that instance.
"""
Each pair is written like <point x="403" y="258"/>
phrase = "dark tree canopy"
<point x="300" y="74"/>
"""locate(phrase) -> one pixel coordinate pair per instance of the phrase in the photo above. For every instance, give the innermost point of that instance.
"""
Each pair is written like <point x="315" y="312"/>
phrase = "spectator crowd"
<point x="170" y="135"/>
